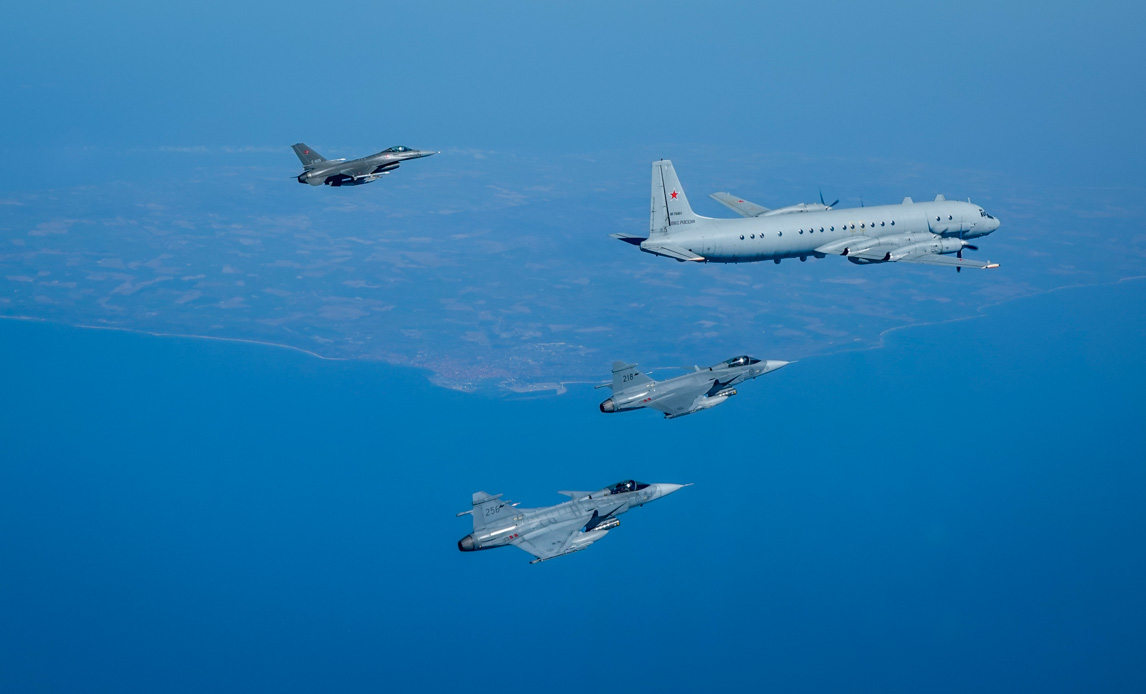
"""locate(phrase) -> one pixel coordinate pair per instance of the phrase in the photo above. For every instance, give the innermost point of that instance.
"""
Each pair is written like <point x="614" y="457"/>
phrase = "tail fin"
<point x="670" y="207"/>
<point x="627" y="376"/>
<point x="488" y="508"/>
<point x="307" y="156"/>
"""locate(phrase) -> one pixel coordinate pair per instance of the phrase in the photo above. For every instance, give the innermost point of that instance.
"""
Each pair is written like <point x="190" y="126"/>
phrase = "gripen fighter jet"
<point x="555" y="531"/>
<point x="934" y="232"/>
<point x="692" y="392"/>
<point x="318" y="170"/>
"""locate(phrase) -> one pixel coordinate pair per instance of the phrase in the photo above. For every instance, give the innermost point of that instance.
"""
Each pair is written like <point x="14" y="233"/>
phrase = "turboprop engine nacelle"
<point x="893" y="241"/>
<point x="945" y="245"/>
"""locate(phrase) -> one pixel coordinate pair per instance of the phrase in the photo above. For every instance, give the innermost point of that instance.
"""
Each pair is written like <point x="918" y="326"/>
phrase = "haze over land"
<point x="495" y="268"/>
<point x="158" y="195"/>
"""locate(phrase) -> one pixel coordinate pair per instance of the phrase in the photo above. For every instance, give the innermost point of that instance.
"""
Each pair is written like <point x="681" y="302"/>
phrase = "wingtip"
<point x="991" y="266"/>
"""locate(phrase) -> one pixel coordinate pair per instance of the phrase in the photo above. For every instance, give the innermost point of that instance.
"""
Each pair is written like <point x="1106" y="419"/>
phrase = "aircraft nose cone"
<point x="466" y="544"/>
<point x="608" y="406"/>
<point x="774" y="364"/>
<point x="664" y="489"/>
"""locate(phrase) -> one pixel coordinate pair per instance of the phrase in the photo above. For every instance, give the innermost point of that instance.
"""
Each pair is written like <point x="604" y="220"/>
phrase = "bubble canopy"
<point x="626" y="486"/>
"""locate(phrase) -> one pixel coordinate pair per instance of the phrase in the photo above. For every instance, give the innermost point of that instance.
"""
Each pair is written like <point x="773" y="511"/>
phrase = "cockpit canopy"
<point x="983" y="213"/>
<point x="399" y="148"/>
<point x="626" y="486"/>
<point x="743" y="360"/>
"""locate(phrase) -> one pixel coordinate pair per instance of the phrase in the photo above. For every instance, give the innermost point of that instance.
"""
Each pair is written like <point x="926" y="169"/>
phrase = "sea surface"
<point x="962" y="509"/>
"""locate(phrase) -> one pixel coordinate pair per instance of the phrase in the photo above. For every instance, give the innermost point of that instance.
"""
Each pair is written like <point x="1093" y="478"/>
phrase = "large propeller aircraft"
<point x="935" y="232"/>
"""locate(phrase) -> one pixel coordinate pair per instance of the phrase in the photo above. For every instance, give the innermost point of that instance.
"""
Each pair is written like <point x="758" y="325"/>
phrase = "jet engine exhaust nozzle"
<point x="466" y="544"/>
<point x="608" y="406"/>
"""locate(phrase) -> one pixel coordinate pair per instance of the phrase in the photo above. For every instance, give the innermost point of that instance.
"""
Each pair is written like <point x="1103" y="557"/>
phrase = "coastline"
<point x="557" y="388"/>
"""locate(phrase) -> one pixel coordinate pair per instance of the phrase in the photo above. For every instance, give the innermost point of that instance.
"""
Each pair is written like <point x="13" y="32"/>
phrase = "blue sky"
<point x="1019" y="87"/>
<point x="960" y="509"/>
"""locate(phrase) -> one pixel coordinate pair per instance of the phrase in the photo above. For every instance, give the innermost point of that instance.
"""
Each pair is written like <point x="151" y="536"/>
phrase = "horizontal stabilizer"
<point x="669" y="251"/>
<point x="575" y="495"/>
<point x="740" y="207"/>
<point x="628" y="238"/>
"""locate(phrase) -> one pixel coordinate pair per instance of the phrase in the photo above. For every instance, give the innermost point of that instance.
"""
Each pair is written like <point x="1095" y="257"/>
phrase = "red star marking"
<point x="307" y="152"/>
<point x="674" y="195"/>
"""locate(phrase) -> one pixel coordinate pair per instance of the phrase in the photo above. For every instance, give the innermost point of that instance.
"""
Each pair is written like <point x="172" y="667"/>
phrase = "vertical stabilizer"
<point x="669" y="206"/>
<point x="488" y="508"/>
<point x="627" y="376"/>
<point x="307" y="156"/>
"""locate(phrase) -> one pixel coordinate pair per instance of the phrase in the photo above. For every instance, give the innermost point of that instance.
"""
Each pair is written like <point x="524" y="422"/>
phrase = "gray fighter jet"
<point x="692" y="392"/>
<point x="934" y="232"/>
<point x="554" y="531"/>
<point x="318" y="170"/>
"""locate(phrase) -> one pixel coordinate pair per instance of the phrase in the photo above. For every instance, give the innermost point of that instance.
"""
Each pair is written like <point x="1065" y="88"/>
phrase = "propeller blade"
<point x="969" y="247"/>
<point x="835" y="203"/>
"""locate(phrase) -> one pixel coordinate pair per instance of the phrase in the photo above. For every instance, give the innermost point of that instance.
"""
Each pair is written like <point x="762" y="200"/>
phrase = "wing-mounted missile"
<point x="605" y="525"/>
<point x="714" y="400"/>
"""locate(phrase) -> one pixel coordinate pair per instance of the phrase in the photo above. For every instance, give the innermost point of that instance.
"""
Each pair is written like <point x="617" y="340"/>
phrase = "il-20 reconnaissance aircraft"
<point x="692" y="392"/>
<point x="318" y="170"/>
<point x="924" y="232"/>
<point x="554" y="531"/>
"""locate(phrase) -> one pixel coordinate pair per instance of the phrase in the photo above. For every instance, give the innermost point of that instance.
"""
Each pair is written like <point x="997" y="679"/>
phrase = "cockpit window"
<point x="743" y="360"/>
<point x="626" y="486"/>
<point x="399" y="148"/>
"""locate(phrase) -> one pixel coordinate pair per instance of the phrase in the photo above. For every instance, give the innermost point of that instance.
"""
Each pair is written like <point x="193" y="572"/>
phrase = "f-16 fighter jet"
<point x="318" y="170"/>
<point x="692" y="392"/>
<point x="935" y="232"/>
<point x="554" y="531"/>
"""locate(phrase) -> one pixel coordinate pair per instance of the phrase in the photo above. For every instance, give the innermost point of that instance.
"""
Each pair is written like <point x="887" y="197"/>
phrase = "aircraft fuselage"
<point x="799" y="235"/>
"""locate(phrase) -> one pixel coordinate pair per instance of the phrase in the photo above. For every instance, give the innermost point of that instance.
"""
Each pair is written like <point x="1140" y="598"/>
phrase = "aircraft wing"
<point x="669" y="251"/>
<point x="852" y="243"/>
<point x="948" y="260"/>
<point x="553" y="540"/>
<point x="881" y="254"/>
<point x="740" y="207"/>
<point x="675" y="403"/>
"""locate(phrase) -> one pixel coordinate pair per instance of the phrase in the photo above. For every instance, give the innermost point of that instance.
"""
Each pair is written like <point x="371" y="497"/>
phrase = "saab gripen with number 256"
<point x="555" y="531"/>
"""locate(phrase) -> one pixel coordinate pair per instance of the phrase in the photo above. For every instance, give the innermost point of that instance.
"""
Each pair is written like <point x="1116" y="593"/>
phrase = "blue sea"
<point x="960" y="510"/>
